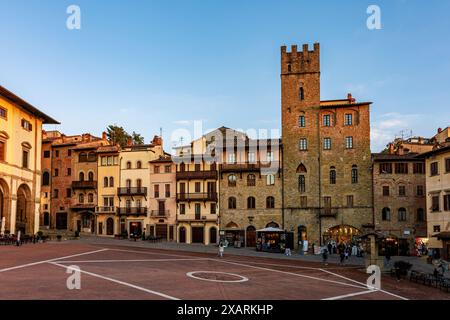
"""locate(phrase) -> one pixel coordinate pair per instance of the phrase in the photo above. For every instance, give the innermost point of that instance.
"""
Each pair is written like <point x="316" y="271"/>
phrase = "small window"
<point x="91" y="176"/>
<point x="420" y="191"/>
<point x="270" y="180"/>
<point x="301" y="122"/>
<point x="302" y="94"/>
<point x="232" y="203"/>
<point x="26" y="125"/>
<point x="81" y="198"/>
<point x="436" y="228"/>
<point x="47" y="154"/>
<point x="111" y="182"/>
<point x="434" y="169"/>
<point x="167" y="190"/>
<point x="139" y="165"/>
<point x="45" y="179"/>
<point x="332" y="175"/>
<point x="251" y="180"/>
<point x="68" y="193"/>
<point x="197" y="167"/>
<point x="90" y="197"/>
<point x="251" y="157"/>
<point x="447" y="165"/>
<point x="419" y="168"/>
<point x="435" y="203"/>
<point x="420" y="215"/>
<point x="301" y="183"/>
<point x="303" y="144"/>
<point x="270" y="203"/>
<point x="447" y="202"/>
<point x="327" y="143"/>
<point x="270" y="156"/>
<point x="168" y="169"/>
<point x="251" y="203"/>
<point x="3" y="113"/>
<point x="385" y="168"/>
<point x="25" y="159"/>
<point x="182" y="208"/>
<point x="157" y="169"/>
<point x="402" y="214"/>
<point x="81" y="176"/>
<point x="57" y="153"/>
<point x="139" y="183"/>
<point x="69" y="172"/>
<point x="55" y="193"/>
<point x="354" y="174"/>
<point x="197" y="187"/>
<point x="56" y="173"/>
<point x="104" y="161"/>
<point x="231" y="158"/>
<point x="326" y="120"/>
<point x="2" y="151"/>
<point x="213" y="208"/>
<point x="402" y="191"/>
<point x="386" y="191"/>
<point x="232" y="180"/>
<point x="386" y="214"/>
<point x="401" y="168"/>
<point x="156" y="190"/>
<point x="348" y="119"/>
<point x="105" y="182"/>
<point x="349" y="142"/>
<point x="128" y="165"/>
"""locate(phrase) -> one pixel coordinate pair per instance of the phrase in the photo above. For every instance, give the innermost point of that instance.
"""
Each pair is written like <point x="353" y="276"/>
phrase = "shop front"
<point x="274" y="240"/>
<point x="343" y="234"/>
<point x="444" y="251"/>
<point x="233" y="238"/>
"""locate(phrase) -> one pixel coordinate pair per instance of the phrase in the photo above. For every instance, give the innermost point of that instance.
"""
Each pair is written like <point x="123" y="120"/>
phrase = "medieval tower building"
<point x="326" y="161"/>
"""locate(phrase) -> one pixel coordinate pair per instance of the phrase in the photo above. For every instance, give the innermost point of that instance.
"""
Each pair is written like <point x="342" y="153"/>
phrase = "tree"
<point x="137" y="138"/>
<point x="118" y="135"/>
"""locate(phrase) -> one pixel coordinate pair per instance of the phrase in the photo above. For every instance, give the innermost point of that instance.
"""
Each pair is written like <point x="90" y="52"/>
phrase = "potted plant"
<point x="59" y="237"/>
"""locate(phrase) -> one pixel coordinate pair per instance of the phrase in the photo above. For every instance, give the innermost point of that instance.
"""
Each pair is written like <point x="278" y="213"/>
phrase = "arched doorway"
<point x="342" y="234"/>
<point x="110" y="226"/>
<point x="4" y="212"/>
<point x="61" y="221"/>
<point x="46" y="219"/>
<point x="250" y="237"/>
<point x="302" y="235"/>
<point x="24" y="211"/>
<point x="212" y="235"/>
<point x="182" y="235"/>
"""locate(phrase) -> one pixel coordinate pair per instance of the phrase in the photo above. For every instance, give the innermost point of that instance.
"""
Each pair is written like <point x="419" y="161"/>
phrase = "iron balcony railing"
<point x="198" y="196"/>
<point x="189" y="175"/>
<point x="132" y="211"/>
<point x="105" y="209"/>
<point x="84" y="184"/>
<point x="132" y="191"/>
<point x="160" y="213"/>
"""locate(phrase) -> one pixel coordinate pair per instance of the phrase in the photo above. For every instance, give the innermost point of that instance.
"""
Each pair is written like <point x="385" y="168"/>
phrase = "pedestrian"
<point x="325" y="255"/>
<point x="347" y="252"/>
<point x="221" y="250"/>
<point x="342" y="256"/>
<point x="288" y="252"/>
<point x="388" y="257"/>
<point x="330" y="247"/>
<point x="18" y="238"/>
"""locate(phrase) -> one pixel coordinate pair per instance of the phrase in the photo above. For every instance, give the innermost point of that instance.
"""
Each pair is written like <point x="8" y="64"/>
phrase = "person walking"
<point x="342" y="256"/>
<point x="330" y="247"/>
<point x="325" y="256"/>
<point x="221" y="250"/>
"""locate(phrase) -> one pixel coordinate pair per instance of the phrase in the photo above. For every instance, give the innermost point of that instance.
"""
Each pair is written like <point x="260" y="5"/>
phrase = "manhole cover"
<point x="216" y="276"/>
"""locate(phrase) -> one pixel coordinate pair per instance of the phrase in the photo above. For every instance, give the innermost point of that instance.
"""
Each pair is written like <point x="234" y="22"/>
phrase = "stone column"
<point x="13" y="211"/>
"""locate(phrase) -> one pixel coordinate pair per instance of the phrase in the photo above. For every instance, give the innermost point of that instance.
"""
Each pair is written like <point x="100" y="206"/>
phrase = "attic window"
<point x="26" y="125"/>
<point x="3" y="113"/>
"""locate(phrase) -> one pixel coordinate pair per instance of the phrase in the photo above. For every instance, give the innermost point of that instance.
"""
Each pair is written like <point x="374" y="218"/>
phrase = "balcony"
<point x="191" y="175"/>
<point x="160" y="213"/>
<point x="105" y="209"/>
<point x="132" y="191"/>
<point x="209" y="196"/>
<point x="82" y="206"/>
<point x="328" y="212"/>
<point x="197" y="218"/>
<point x="247" y="167"/>
<point x="84" y="184"/>
<point x="136" y="211"/>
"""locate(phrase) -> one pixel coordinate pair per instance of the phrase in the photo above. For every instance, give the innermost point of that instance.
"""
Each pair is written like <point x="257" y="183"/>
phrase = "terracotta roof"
<point x="162" y="159"/>
<point x="108" y="148"/>
<point x="26" y="106"/>
<point x="90" y="145"/>
<point x="437" y="151"/>
<point x="344" y="105"/>
<point x="396" y="157"/>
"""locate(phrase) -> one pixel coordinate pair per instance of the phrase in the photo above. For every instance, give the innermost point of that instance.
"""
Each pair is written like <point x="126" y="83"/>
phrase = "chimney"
<point x="350" y="98"/>
<point x="439" y="130"/>
<point x="104" y="136"/>
<point x="129" y="142"/>
<point x="391" y="148"/>
<point x="400" y="150"/>
<point x="157" y="141"/>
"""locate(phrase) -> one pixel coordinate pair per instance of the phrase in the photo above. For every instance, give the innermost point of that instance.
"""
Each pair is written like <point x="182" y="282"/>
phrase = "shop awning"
<point x="443" y="235"/>
<point x="270" y="230"/>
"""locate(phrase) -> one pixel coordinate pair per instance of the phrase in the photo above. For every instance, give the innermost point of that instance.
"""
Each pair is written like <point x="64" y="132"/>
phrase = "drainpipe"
<point x="320" y="178"/>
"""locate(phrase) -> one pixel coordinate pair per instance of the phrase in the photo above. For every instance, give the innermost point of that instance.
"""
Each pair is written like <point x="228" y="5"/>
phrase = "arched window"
<point x="270" y="180"/>
<point x="82" y="157"/>
<point x="402" y="214"/>
<point x="81" y="176"/>
<point x="420" y="215"/>
<point x="332" y="175"/>
<point x="272" y="225"/>
<point x="128" y="165"/>
<point x="90" y="197"/>
<point x="302" y="94"/>
<point x="139" y="165"/>
<point x="301" y="168"/>
<point x="105" y="182"/>
<point x="251" y="203"/>
<point x="301" y="121"/>
<point x="232" y="180"/>
<point x="111" y="182"/>
<point x="81" y="198"/>
<point x="270" y="202"/>
<point x="301" y="183"/>
<point x="91" y="176"/>
<point x="231" y="203"/>
<point x="46" y="179"/>
<point x="354" y="174"/>
<point x="386" y="214"/>
<point x="251" y="180"/>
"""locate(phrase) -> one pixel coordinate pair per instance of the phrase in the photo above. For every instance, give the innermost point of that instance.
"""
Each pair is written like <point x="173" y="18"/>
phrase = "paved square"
<point x="117" y="272"/>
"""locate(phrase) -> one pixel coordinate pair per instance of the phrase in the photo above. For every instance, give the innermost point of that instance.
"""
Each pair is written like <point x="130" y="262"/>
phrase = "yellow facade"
<point x="20" y="163"/>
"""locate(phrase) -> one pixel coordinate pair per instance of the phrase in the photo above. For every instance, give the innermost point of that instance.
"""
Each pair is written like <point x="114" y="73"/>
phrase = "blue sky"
<point x="151" y="64"/>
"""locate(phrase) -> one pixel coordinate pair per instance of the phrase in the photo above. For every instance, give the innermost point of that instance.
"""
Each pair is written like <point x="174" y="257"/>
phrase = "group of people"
<point x="343" y="249"/>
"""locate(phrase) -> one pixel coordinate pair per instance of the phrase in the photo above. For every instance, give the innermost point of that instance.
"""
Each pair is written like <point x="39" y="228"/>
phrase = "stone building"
<point x="20" y="163"/>
<point x="399" y="200"/>
<point x="85" y="181"/>
<point x="197" y="193"/>
<point x="249" y="186"/>
<point x="162" y="198"/>
<point x="326" y="159"/>
<point x="133" y="191"/>
<point x="108" y="179"/>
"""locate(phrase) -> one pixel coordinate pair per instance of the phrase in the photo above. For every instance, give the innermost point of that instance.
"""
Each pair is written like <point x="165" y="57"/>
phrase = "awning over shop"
<point x="443" y="235"/>
<point x="270" y="230"/>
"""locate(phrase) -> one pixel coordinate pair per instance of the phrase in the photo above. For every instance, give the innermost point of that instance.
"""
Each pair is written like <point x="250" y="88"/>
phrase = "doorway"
<point x="197" y="235"/>
<point x="182" y="235"/>
<point x="61" y="221"/>
<point x="251" y="237"/>
<point x="213" y="236"/>
<point x="110" y="227"/>
<point x="136" y="228"/>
